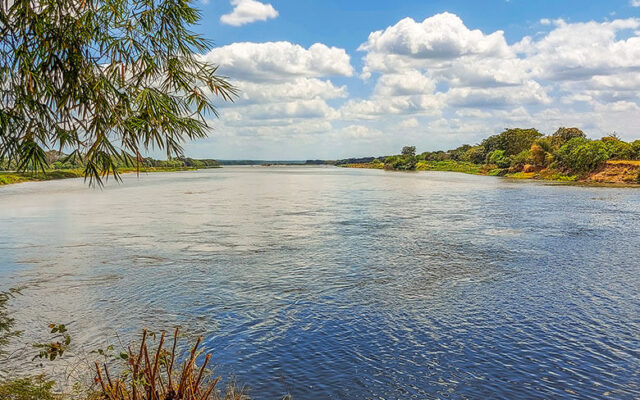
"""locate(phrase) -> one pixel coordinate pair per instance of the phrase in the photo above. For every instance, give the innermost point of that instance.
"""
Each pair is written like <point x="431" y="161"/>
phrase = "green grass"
<point x="451" y="166"/>
<point x="8" y="178"/>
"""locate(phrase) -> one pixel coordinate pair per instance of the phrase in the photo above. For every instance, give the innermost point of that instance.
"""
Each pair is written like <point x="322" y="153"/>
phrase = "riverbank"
<point x="8" y="178"/>
<point x="615" y="172"/>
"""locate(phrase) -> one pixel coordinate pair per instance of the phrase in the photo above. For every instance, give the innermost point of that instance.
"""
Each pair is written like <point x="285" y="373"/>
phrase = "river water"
<point x="322" y="282"/>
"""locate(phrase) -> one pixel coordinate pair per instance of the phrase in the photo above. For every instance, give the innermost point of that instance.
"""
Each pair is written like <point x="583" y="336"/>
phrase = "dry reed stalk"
<point x="146" y="379"/>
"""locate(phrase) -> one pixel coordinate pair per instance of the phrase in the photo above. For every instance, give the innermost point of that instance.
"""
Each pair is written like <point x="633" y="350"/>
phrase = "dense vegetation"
<point x="565" y="153"/>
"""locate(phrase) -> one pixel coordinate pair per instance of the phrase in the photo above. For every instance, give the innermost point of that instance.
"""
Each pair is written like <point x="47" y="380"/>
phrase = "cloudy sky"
<point x="340" y="78"/>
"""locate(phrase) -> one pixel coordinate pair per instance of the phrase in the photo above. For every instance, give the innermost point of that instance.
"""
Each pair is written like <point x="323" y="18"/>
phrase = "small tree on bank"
<point x="103" y="79"/>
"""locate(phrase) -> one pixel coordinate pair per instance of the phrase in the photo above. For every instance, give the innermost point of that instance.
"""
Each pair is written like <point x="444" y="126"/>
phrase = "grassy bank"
<point x="566" y="155"/>
<point x="452" y="166"/>
<point x="618" y="172"/>
<point x="7" y="178"/>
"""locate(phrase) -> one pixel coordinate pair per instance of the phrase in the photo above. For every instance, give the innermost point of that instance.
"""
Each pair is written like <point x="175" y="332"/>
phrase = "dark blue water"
<point x="345" y="284"/>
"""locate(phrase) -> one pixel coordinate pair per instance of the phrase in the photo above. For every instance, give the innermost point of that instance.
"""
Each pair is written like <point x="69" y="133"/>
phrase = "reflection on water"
<point x="350" y="284"/>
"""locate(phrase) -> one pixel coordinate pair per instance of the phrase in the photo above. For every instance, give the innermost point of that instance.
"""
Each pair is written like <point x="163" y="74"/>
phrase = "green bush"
<point x="636" y="149"/>
<point x="520" y="159"/>
<point x="475" y="155"/>
<point x="511" y="141"/>
<point x="402" y="163"/>
<point x="582" y="155"/>
<point x="618" y="150"/>
<point x="498" y="158"/>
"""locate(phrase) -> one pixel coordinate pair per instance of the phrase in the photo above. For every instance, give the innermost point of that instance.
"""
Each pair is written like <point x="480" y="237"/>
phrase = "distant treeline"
<point x="56" y="160"/>
<point x="260" y="162"/>
<point x="361" y="160"/>
<point x="515" y="150"/>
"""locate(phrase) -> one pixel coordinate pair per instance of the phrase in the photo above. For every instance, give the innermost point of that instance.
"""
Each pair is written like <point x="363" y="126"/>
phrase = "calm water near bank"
<point x="344" y="283"/>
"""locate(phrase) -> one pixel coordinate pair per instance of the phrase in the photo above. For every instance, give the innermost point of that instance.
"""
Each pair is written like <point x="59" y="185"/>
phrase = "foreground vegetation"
<point x="138" y="372"/>
<point x="566" y="155"/>
<point x="103" y="79"/>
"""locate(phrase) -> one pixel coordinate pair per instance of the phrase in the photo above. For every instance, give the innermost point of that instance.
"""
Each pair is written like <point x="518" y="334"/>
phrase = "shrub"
<point x="474" y="155"/>
<point x="519" y="160"/>
<point x="618" y="150"/>
<point x="582" y="155"/>
<point x="538" y="155"/>
<point x="498" y="158"/>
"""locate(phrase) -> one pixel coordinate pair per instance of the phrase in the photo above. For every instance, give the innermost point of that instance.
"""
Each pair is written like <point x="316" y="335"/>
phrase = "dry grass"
<point x="624" y="162"/>
<point x="151" y="377"/>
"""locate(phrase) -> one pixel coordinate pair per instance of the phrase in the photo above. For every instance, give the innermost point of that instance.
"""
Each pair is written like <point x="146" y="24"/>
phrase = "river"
<point x="323" y="282"/>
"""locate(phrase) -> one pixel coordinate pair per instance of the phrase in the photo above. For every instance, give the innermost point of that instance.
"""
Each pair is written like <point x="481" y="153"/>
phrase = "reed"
<point x="150" y="375"/>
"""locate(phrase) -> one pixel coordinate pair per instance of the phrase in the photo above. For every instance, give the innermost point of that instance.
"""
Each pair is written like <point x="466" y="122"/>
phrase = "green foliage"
<point x="497" y="157"/>
<point x="401" y="163"/>
<point x="435" y="156"/>
<point x="582" y="155"/>
<point x="58" y="346"/>
<point x="617" y="149"/>
<point x="102" y="78"/>
<point x="6" y="323"/>
<point x="520" y="159"/>
<point x="409" y="151"/>
<point x="31" y="388"/>
<point x="563" y="135"/>
<point x="567" y="155"/>
<point x="511" y="141"/>
<point x="449" y="165"/>
<point x="404" y="162"/>
<point x="475" y="155"/>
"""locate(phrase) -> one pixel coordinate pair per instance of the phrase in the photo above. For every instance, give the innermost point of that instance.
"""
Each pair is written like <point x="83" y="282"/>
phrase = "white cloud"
<point x="248" y="11"/>
<point x="433" y="84"/>
<point x="581" y="51"/>
<point x="273" y="61"/>
<point x="635" y="3"/>
<point x="430" y="43"/>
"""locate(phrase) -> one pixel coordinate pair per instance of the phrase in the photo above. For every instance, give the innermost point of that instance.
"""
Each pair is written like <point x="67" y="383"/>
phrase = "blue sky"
<point x="317" y="82"/>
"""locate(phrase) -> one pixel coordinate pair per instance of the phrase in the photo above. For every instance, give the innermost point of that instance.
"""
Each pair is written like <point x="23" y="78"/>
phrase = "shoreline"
<point x="609" y="175"/>
<point x="12" y="178"/>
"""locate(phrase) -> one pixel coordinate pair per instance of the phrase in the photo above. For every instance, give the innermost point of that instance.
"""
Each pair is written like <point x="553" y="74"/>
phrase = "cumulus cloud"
<point x="273" y="61"/>
<point x="430" y="43"/>
<point x="434" y="83"/>
<point x="580" y="51"/>
<point x="248" y="11"/>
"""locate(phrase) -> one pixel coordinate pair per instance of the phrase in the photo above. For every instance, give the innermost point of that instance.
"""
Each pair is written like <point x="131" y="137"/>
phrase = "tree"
<point x="104" y="79"/>
<point x="582" y="155"/>
<point x="617" y="149"/>
<point x="409" y="151"/>
<point x="498" y="158"/>
<point x="563" y="135"/>
<point x="474" y="155"/>
<point x="511" y="141"/>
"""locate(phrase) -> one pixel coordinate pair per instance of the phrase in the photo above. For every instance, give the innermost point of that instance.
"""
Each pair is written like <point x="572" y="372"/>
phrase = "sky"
<point x="334" y="79"/>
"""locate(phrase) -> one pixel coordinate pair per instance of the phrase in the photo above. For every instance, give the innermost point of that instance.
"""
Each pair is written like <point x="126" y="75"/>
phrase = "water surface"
<point x="344" y="284"/>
